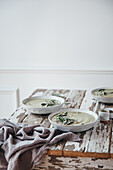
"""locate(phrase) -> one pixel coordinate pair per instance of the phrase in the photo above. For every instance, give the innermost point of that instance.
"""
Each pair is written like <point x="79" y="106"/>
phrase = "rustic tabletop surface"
<point x="96" y="149"/>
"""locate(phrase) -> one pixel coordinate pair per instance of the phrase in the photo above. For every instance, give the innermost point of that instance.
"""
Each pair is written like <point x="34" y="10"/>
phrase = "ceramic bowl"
<point x="102" y="99"/>
<point x="44" y="110"/>
<point x="76" y="128"/>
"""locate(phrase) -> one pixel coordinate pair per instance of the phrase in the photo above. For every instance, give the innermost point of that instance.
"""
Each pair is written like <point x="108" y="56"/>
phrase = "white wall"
<point x="65" y="34"/>
<point x="55" y="44"/>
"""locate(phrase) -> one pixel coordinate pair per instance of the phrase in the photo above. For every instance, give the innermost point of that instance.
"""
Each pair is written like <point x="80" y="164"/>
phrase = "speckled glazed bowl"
<point x="74" y="128"/>
<point x="43" y="110"/>
<point x="104" y="98"/>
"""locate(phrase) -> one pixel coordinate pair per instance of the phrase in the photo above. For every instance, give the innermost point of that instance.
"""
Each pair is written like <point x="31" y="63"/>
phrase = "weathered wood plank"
<point x="99" y="141"/>
<point x="18" y="115"/>
<point x="89" y="103"/>
<point x="58" y="92"/>
<point x="56" y="149"/>
<point x="111" y="134"/>
<point x="111" y="142"/>
<point x="33" y="119"/>
<point x="69" y="163"/>
<point x="74" y="98"/>
<point x="39" y="92"/>
<point x="95" y="141"/>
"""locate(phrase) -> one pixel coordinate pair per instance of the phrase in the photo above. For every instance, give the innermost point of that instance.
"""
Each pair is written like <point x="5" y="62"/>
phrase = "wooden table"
<point x="96" y="149"/>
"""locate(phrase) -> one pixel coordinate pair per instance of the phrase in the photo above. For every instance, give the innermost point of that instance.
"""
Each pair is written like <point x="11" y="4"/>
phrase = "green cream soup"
<point x="40" y="103"/>
<point x="104" y="92"/>
<point x="73" y="118"/>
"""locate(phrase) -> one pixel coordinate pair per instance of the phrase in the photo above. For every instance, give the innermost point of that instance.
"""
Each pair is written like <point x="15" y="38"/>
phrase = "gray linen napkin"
<point x="22" y="146"/>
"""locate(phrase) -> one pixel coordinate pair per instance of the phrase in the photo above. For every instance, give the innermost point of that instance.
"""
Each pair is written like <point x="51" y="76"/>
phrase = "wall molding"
<point x="14" y="92"/>
<point x="53" y="71"/>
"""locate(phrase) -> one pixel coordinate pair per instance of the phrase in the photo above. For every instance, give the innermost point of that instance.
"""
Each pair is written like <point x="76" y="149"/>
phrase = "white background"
<point x="56" y="34"/>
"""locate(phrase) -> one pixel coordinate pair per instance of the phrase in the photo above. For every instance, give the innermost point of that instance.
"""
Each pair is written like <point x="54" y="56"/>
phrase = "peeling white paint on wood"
<point x="99" y="141"/>
<point x="75" y="98"/>
<point x="95" y="140"/>
<point x="87" y="101"/>
<point x="39" y="92"/>
<point x="33" y="119"/>
<point x="69" y="163"/>
<point x="111" y="147"/>
<point x="18" y="115"/>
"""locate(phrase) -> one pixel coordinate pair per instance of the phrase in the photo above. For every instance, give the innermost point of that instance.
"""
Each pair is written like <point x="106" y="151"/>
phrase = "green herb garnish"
<point x="72" y="121"/>
<point x="103" y="92"/>
<point x="50" y="104"/>
<point x="43" y="104"/>
<point x="61" y="119"/>
<point x="65" y="121"/>
<point x="53" y="101"/>
<point x="101" y="89"/>
<point x="67" y="103"/>
<point x="65" y="114"/>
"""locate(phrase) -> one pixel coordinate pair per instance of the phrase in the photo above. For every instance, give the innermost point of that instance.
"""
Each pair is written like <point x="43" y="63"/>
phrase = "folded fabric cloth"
<point x="22" y="146"/>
